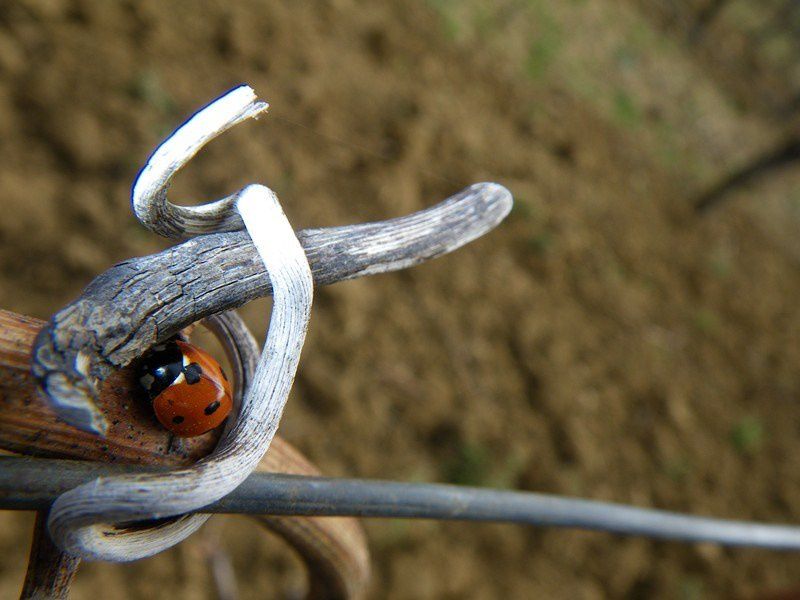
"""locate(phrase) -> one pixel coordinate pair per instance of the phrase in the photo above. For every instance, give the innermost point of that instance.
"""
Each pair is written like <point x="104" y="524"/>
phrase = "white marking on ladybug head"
<point x="82" y="363"/>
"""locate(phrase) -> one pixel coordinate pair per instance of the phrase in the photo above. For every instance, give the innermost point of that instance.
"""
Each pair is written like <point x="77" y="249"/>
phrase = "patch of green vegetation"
<point x="585" y="85"/>
<point x="446" y="9"/>
<point x="507" y="474"/>
<point x="483" y="21"/>
<point x="523" y="209"/>
<point x="475" y="465"/>
<point x="617" y="271"/>
<point x="706" y="321"/>
<point x="545" y="46"/>
<point x="667" y="148"/>
<point x="540" y="56"/>
<point x="678" y="469"/>
<point x="626" y="57"/>
<point x="541" y="242"/>
<point x="720" y="267"/>
<point x="794" y="202"/>
<point x="778" y="49"/>
<point x="147" y="86"/>
<point x="720" y="264"/>
<point x="649" y="282"/>
<point x="747" y="435"/>
<point x="471" y="466"/>
<point x="690" y="588"/>
<point x="746" y="16"/>
<point x="641" y="35"/>
<point x="625" y="110"/>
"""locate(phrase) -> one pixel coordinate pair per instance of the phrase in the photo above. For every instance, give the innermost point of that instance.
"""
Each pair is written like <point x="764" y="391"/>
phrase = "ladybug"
<point x="189" y="390"/>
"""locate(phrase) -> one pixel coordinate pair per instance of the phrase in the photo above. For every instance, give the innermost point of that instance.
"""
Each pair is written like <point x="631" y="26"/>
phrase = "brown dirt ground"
<point x="604" y="342"/>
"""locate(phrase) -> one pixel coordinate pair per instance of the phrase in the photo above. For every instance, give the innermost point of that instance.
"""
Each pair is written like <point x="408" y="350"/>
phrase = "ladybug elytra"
<point x="188" y="389"/>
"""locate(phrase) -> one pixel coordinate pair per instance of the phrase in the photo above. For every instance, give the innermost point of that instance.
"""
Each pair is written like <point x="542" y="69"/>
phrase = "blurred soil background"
<point x="608" y="341"/>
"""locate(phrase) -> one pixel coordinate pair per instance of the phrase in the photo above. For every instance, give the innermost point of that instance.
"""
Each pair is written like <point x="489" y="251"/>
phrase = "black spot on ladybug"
<point x="212" y="408"/>
<point x="177" y="420"/>
<point x="192" y="372"/>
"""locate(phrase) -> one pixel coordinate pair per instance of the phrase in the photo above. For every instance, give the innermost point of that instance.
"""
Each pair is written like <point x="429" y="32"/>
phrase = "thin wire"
<point x="33" y="484"/>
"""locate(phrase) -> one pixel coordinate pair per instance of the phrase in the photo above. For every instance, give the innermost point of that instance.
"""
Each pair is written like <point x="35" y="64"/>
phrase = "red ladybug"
<point x="188" y="388"/>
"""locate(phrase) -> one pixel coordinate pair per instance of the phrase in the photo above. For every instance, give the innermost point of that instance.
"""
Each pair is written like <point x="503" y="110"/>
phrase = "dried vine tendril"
<point x="97" y="520"/>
